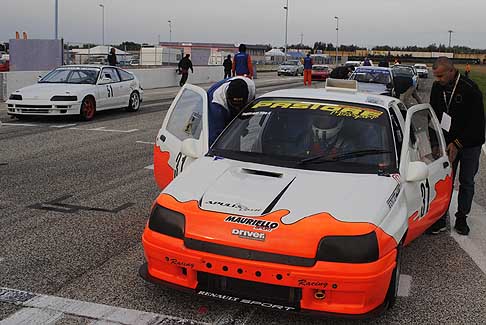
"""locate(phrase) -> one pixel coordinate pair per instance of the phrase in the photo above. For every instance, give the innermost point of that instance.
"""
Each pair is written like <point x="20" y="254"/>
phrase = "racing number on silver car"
<point x="180" y="161"/>
<point x="425" y="191"/>
<point x="110" y="91"/>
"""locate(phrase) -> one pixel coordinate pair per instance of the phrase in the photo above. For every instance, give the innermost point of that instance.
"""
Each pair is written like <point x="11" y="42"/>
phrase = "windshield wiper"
<point x="343" y="156"/>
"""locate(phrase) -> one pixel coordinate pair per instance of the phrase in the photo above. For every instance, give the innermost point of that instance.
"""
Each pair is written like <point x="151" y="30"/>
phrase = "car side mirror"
<point x="105" y="81"/>
<point x="191" y="148"/>
<point x="417" y="171"/>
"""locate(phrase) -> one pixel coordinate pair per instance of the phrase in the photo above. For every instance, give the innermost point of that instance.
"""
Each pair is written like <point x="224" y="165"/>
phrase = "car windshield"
<point x="420" y="67"/>
<point x="310" y="135"/>
<point x="72" y="76"/>
<point x="290" y="63"/>
<point x="372" y="76"/>
<point x="319" y="68"/>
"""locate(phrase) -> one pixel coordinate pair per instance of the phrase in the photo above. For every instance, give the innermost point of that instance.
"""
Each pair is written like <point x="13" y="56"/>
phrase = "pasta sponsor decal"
<point x="257" y="224"/>
<point x="332" y="109"/>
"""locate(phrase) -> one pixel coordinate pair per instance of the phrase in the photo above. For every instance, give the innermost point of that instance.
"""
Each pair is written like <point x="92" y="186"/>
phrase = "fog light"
<point x="320" y="294"/>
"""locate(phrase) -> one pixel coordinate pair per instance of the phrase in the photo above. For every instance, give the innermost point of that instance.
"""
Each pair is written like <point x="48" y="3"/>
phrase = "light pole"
<point x="337" y="38"/>
<point x="170" y="30"/>
<point x="450" y="37"/>
<point x="103" y="23"/>
<point x="56" y="20"/>
<point x="286" y="26"/>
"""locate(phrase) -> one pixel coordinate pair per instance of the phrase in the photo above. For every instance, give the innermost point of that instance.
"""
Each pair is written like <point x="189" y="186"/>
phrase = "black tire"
<point x="88" y="109"/>
<point x="391" y="295"/>
<point x="134" y="102"/>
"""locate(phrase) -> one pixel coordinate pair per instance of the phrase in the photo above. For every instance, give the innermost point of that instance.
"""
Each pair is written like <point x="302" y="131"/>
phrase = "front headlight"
<point x="15" y="97"/>
<point x="64" y="99"/>
<point x="349" y="249"/>
<point x="167" y="222"/>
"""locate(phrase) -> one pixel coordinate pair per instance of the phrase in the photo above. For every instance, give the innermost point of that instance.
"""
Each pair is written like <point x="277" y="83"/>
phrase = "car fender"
<point x="395" y="223"/>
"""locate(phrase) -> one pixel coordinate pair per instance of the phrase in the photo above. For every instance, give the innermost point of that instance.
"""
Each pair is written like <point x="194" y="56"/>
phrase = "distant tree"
<point x="3" y="47"/>
<point x="129" y="46"/>
<point x="88" y="46"/>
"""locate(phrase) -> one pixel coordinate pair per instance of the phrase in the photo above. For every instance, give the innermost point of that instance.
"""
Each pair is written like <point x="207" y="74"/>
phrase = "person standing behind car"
<point x="112" y="57"/>
<point x="458" y="103"/>
<point x="308" y="70"/>
<point x="184" y="65"/>
<point x="242" y="65"/>
<point x="228" y="65"/>
<point x="467" y="70"/>
<point x="404" y="88"/>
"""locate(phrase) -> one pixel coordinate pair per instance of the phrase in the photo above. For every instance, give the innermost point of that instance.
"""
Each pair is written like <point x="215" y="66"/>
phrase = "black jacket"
<point x="228" y="65"/>
<point x="112" y="59"/>
<point x="402" y="84"/>
<point x="466" y="110"/>
<point x="185" y="64"/>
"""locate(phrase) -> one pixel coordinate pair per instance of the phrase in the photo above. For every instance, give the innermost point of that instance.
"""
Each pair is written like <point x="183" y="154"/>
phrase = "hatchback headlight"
<point x="167" y="222"/>
<point x="15" y="97"/>
<point x="349" y="249"/>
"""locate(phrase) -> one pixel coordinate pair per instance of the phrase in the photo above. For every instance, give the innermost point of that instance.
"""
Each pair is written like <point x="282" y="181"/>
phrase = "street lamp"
<point x="56" y="20"/>
<point x="103" y="23"/>
<point x="170" y="30"/>
<point x="286" y="26"/>
<point x="337" y="38"/>
<point x="450" y="37"/>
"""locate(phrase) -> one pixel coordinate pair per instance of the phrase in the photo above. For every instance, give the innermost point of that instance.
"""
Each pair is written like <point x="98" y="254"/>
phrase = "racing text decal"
<point x="337" y="110"/>
<point x="257" y="224"/>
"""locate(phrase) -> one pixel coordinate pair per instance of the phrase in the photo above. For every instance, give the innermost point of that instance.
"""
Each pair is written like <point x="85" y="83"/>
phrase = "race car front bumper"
<point x="44" y="108"/>
<point x="333" y="289"/>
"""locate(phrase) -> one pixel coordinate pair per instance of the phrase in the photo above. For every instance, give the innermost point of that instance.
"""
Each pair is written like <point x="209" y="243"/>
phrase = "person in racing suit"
<point x="226" y="99"/>
<point x="325" y="137"/>
<point x="242" y="64"/>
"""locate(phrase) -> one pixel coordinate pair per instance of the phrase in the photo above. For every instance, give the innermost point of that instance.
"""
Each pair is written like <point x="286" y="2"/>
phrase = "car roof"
<point x="86" y="66"/>
<point x="373" y="68"/>
<point x="332" y="95"/>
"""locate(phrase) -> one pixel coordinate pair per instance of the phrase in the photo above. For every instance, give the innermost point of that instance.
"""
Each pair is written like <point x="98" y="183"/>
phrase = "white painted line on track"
<point x="20" y="124"/>
<point x="143" y="142"/>
<point x="63" y="126"/>
<point x="50" y="308"/>
<point x="151" y="167"/>
<point x="404" y="285"/>
<point x="474" y="244"/>
<point x="157" y="104"/>
<point x="104" y="129"/>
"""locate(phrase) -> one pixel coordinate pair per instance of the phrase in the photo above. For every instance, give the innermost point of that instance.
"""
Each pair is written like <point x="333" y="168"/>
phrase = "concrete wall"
<point x="150" y="78"/>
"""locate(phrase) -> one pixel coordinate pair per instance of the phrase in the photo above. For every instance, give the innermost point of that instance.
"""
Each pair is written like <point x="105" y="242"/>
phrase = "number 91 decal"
<point x="180" y="161"/>
<point x="425" y="192"/>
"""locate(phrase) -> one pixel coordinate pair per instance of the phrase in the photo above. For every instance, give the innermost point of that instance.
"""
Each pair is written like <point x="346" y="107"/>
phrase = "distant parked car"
<point x="320" y="72"/>
<point x="4" y="64"/>
<point x="422" y="69"/>
<point x="291" y="68"/>
<point x="409" y="70"/>
<point x="77" y="90"/>
<point x="376" y="80"/>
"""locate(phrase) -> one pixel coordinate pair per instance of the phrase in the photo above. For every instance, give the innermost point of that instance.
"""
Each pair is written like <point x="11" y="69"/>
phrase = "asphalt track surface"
<point x="74" y="199"/>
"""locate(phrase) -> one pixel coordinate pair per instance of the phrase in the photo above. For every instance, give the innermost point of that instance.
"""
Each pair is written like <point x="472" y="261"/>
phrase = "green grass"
<point x="479" y="77"/>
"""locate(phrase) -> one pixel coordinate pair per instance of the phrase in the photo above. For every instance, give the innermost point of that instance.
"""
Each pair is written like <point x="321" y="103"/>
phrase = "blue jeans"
<point x="468" y="160"/>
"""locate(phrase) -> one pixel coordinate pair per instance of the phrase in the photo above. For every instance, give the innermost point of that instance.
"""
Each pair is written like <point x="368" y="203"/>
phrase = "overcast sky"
<point x="364" y="23"/>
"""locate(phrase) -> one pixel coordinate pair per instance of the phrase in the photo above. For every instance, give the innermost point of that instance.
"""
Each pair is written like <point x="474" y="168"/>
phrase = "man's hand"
<point x="452" y="152"/>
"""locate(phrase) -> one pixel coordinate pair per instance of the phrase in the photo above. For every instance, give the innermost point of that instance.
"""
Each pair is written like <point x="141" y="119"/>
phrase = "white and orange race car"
<point x="303" y="203"/>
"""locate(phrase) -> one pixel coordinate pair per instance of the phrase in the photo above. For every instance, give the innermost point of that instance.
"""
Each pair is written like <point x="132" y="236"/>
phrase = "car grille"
<point x="33" y="106"/>
<point x="263" y="292"/>
<point x="247" y="254"/>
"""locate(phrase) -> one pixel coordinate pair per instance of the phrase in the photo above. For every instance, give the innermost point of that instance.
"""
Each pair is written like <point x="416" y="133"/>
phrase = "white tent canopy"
<point x="274" y="52"/>
<point x="99" y="50"/>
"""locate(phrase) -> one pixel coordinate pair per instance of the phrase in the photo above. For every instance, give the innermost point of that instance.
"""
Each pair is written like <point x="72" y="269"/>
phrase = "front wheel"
<point x="392" y="293"/>
<point x="88" y="109"/>
<point x="134" y="103"/>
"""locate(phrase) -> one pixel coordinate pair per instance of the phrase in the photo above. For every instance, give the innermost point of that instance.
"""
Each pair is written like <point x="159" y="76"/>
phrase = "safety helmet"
<point x="326" y="126"/>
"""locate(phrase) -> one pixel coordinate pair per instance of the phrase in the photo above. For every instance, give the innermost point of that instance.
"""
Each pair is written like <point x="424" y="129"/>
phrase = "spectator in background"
<point x="366" y="62"/>
<point x="308" y="70"/>
<point x="112" y="57"/>
<point x="184" y="65"/>
<point x="458" y="103"/>
<point x="228" y="65"/>
<point x="226" y="99"/>
<point x="467" y="70"/>
<point x="384" y="63"/>
<point x="242" y="65"/>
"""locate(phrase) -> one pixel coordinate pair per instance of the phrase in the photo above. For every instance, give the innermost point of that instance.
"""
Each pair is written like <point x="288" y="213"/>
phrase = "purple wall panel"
<point x="35" y="54"/>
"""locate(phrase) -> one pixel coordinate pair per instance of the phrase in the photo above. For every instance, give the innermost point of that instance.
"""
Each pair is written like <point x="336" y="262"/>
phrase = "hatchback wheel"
<point x="88" y="109"/>
<point x="134" y="103"/>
